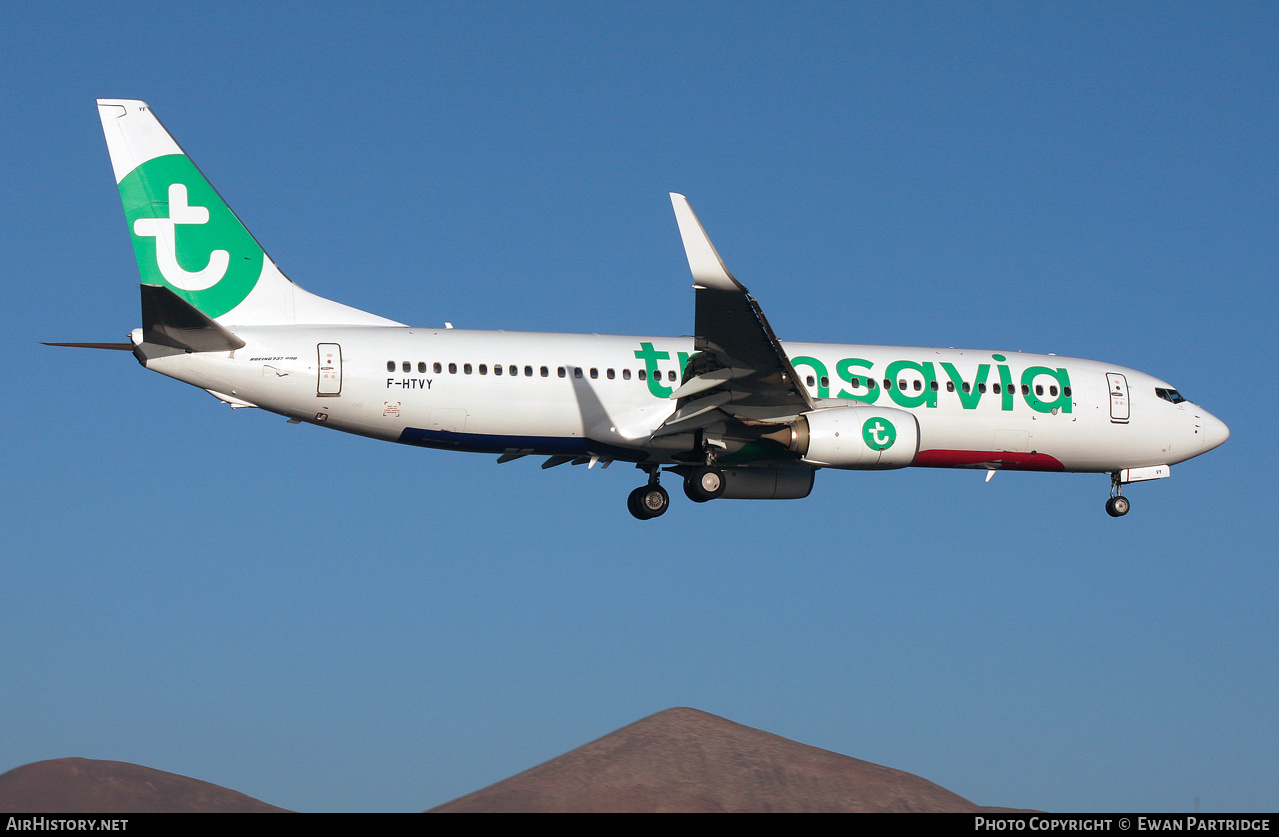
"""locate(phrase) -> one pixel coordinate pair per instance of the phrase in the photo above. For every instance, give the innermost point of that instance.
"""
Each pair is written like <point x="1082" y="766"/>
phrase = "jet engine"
<point x="856" y="437"/>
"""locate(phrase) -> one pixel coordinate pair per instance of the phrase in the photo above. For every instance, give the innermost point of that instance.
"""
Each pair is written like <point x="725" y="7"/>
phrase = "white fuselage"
<point x="604" y="395"/>
<point x="732" y="411"/>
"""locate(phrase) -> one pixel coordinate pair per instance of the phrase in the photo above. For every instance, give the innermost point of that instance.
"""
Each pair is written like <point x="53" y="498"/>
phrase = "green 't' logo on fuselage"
<point x="185" y="237"/>
<point x="879" y="433"/>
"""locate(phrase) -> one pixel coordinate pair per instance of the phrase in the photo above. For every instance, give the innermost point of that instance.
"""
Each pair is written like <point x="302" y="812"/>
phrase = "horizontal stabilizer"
<point x="119" y="347"/>
<point x="169" y="320"/>
<point x="236" y="403"/>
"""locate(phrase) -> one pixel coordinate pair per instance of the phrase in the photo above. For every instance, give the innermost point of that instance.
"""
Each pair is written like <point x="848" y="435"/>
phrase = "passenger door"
<point x="1118" y="386"/>
<point x="330" y="379"/>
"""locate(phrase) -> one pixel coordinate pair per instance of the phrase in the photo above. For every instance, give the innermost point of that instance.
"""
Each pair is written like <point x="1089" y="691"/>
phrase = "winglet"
<point x="709" y="270"/>
<point x="738" y="367"/>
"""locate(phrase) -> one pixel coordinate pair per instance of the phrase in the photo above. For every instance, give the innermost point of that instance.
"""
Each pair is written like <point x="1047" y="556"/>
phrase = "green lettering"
<point x="650" y="357"/>
<point x="1006" y="384"/>
<point x="844" y="369"/>
<point x="1062" y="380"/>
<point x="818" y="367"/>
<point x="967" y="400"/>
<point x="925" y="398"/>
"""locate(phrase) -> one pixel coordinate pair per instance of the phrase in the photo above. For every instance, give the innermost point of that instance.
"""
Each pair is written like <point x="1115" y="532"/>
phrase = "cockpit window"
<point x="1170" y="395"/>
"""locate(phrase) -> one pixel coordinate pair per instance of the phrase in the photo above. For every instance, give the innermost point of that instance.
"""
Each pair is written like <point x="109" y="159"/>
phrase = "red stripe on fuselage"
<point x="1011" y="460"/>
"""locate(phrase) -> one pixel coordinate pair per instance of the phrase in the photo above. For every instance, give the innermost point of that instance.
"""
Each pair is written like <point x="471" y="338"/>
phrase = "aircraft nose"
<point x="1213" y="430"/>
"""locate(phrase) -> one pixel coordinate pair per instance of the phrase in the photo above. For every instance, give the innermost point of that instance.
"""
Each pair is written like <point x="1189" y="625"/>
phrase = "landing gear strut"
<point x="1117" y="505"/>
<point x="704" y="482"/>
<point x="649" y="501"/>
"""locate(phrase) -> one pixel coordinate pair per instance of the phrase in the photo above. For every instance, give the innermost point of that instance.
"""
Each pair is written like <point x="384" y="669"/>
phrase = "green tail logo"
<point x="185" y="237"/>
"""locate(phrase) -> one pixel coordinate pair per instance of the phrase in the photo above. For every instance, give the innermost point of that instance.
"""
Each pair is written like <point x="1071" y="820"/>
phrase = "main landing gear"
<point x="704" y="482"/>
<point x="701" y="484"/>
<point x="1117" y="505"/>
<point x="649" y="501"/>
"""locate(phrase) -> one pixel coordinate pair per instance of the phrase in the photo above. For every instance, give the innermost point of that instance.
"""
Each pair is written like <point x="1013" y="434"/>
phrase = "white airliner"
<point x="732" y="411"/>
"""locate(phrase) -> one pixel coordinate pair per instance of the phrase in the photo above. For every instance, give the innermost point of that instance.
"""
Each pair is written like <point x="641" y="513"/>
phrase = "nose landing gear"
<point x="1117" y="505"/>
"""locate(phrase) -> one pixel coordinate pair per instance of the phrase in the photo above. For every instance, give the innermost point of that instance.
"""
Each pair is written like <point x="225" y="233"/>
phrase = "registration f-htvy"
<point x="732" y="411"/>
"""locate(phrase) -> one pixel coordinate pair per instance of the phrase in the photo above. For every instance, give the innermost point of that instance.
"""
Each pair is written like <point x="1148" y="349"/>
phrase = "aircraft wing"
<point x="739" y="369"/>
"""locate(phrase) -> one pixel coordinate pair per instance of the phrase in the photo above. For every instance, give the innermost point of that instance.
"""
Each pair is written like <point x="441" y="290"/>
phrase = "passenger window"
<point x="902" y="385"/>
<point x="484" y="369"/>
<point x="528" y="372"/>
<point x="1052" y="390"/>
<point x="888" y="385"/>
<point x="466" y="367"/>
<point x="595" y="373"/>
<point x="497" y="369"/>
<point x="610" y="374"/>
<point x="919" y="385"/>
<point x="670" y="376"/>
<point x="421" y="366"/>
<point x="577" y="371"/>
<point x="546" y="373"/>
<point x="811" y="381"/>
<point x="932" y="385"/>
<point x="1025" y="389"/>
<point x="1039" y="389"/>
<point x="1065" y="391"/>
<point x="981" y="387"/>
<point x="643" y="374"/>
<point x="825" y="382"/>
<point x="437" y="366"/>
<point x="967" y="387"/>
<point x="994" y="388"/>
<point x="406" y="366"/>
<point x="452" y="368"/>
<point x="626" y="374"/>
<point x="390" y="366"/>
<point x="562" y="372"/>
<point x="950" y="386"/>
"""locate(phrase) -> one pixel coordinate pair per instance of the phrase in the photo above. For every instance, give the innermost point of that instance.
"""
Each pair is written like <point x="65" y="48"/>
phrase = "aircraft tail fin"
<point x="188" y="240"/>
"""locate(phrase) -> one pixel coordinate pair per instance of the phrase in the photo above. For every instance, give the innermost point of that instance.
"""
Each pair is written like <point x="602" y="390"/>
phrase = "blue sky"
<point x="329" y="623"/>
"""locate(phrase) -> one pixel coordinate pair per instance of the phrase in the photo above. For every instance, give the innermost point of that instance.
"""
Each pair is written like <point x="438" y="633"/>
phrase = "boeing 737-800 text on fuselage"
<point x="732" y="410"/>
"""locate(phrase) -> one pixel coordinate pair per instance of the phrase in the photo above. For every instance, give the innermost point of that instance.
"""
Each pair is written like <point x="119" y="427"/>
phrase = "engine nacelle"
<point x="855" y="437"/>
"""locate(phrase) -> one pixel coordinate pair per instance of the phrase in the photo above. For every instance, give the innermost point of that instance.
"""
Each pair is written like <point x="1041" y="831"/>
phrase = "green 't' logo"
<point x="185" y="237"/>
<point x="879" y="433"/>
